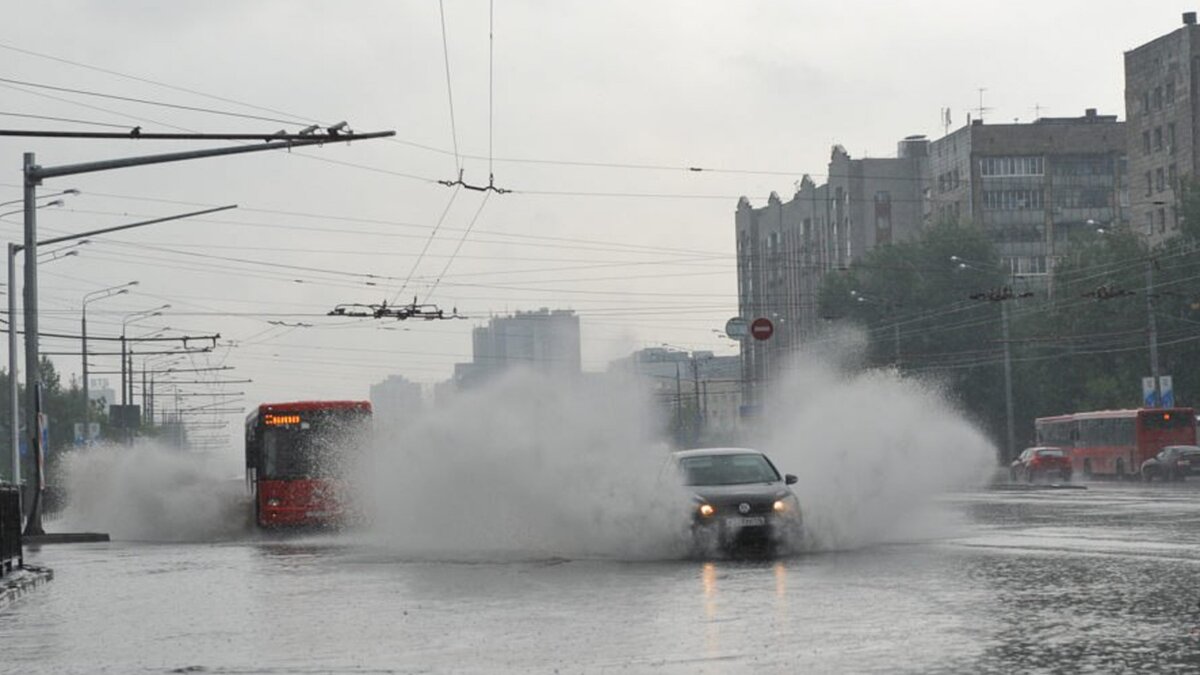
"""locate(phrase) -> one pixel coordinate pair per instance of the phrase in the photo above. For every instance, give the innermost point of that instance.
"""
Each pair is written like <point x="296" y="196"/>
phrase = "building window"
<point x="1010" y="166"/>
<point x="1171" y="138"/>
<point x="1012" y="200"/>
<point x="1170" y="93"/>
<point x="1172" y="177"/>
<point x="1150" y="222"/>
<point x="1158" y="139"/>
<point x="1146" y="101"/>
<point x="1158" y="98"/>
<point x="1149" y="184"/>
<point x="1160" y="180"/>
<point x="1162" y="219"/>
<point x="1146" y="142"/>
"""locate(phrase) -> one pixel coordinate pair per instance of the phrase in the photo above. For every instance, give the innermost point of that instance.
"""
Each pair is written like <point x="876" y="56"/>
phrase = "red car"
<point x="1041" y="461"/>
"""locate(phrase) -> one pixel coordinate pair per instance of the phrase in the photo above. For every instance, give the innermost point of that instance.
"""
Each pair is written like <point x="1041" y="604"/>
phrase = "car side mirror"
<point x="789" y="479"/>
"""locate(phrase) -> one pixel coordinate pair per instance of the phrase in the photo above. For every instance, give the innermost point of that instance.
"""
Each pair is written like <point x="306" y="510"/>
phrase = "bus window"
<point x="1164" y="420"/>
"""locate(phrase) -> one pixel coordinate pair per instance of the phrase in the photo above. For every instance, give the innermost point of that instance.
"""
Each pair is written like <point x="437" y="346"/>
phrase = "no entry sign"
<point x="762" y="328"/>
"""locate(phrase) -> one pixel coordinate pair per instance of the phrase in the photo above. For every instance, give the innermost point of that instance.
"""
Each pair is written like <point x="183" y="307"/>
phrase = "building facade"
<point x="1161" y="97"/>
<point x="785" y="249"/>
<point x="699" y="393"/>
<point x="396" y="400"/>
<point x="1033" y="188"/>
<point x="544" y="340"/>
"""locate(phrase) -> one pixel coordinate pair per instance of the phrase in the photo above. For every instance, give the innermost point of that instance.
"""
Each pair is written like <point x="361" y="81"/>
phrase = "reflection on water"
<point x="708" y="577"/>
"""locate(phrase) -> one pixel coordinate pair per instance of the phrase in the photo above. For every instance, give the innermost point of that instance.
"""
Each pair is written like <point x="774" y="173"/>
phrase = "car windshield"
<point x="727" y="469"/>
<point x="1051" y="452"/>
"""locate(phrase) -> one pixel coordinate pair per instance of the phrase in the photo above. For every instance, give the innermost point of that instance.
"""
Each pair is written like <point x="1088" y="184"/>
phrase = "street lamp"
<point x="1010" y="450"/>
<point x="14" y="403"/>
<point x="129" y="318"/>
<point x="89" y="298"/>
<point x="71" y="191"/>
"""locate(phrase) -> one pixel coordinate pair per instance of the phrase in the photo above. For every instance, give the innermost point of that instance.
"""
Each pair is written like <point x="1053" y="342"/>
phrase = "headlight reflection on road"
<point x="708" y="579"/>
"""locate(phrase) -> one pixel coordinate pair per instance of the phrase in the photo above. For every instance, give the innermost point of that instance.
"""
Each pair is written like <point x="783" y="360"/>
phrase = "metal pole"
<point x="678" y="408"/>
<point x="1008" y="398"/>
<point x="1152" y="326"/>
<point x="896" y="341"/>
<point x="87" y="400"/>
<point x="124" y="401"/>
<point x="14" y="406"/>
<point x="32" y="375"/>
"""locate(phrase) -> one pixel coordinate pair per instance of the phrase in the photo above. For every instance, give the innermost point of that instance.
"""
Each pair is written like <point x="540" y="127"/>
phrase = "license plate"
<point x="745" y="522"/>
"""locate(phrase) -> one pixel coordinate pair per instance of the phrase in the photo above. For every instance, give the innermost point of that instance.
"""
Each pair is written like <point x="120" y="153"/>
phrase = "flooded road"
<point x="1103" y="579"/>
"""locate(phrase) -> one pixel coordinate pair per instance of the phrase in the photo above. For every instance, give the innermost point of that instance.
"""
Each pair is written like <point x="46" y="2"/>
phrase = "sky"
<point x="590" y="114"/>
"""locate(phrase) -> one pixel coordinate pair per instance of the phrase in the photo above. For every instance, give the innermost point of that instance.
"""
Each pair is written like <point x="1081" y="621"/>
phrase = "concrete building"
<point x="1032" y="187"/>
<point x="545" y="340"/>
<point x="396" y="399"/>
<point x="700" y="394"/>
<point x="1161" y="99"/>
<point x="785" y="249"/>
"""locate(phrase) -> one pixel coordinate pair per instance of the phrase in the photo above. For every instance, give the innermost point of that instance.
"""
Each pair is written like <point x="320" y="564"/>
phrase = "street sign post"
<point x="762" y="329"/>
<point x="1166" y="391"/>
<point x="1149" y="393"/>
<point x="737" y="328"/>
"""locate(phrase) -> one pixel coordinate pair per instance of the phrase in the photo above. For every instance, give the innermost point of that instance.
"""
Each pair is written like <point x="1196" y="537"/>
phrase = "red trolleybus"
<point x="295" y="453"/>
<point x="1116" y="442"/>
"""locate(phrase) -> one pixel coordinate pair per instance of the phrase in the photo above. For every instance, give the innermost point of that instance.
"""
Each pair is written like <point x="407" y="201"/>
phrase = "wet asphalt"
<point x="1023" y="580"/>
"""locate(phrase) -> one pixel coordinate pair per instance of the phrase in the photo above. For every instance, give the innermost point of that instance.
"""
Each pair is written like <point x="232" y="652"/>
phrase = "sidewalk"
<point x="21" y="582"/>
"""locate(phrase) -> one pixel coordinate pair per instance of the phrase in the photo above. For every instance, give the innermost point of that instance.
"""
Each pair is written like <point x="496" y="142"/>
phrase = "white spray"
<point x="872" y="449"/>
<point x="528" y="465"/>
<point x="147" y="492"/>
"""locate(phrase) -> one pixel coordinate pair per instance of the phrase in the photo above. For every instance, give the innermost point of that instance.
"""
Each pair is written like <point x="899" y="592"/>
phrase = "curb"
<point x="21" y="582"/>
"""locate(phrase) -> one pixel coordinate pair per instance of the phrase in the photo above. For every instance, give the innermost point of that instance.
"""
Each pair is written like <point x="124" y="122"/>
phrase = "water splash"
<point x="872" y="449"/>
<point x="148" y="492"/>
<point x="528" y="465"/>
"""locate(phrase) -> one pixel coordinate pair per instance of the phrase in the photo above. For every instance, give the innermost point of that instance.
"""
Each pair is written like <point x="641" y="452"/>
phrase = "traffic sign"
<point x="762" y="328"/>
<point x="737" y="328"/>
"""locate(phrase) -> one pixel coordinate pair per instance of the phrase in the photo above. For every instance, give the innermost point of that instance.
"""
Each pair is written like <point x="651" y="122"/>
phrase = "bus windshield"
<point x="314" y="448"/>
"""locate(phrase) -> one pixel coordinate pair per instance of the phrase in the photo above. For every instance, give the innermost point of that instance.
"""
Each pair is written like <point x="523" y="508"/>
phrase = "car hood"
<point x="725" y="493"/>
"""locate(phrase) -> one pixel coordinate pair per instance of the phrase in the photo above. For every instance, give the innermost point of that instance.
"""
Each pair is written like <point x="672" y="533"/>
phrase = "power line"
<point x="175" y="106"/>
<point x="449" y="90"/>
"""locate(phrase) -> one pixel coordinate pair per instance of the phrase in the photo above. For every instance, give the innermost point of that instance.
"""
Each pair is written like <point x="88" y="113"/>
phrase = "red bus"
<point x="295" y="455"/>
<point x="1116" y="442"/>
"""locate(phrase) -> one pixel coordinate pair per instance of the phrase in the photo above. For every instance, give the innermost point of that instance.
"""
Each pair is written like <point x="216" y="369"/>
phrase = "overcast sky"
<point x="645" y="255"/>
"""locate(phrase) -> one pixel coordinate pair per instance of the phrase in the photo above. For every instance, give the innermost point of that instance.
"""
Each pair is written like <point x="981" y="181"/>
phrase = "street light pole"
<point x="32" y="176"/>
<point x="1152" y="329"/>
<point x="32" y="380"/>
<point x="100" y="295"/>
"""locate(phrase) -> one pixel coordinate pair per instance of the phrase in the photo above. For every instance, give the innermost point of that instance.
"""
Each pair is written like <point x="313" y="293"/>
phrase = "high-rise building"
<point x="544" y="340"/>
<point x="1161" y="99"/>
<point x="785" y="249"/>
<point x="1032" y="188"/>
<point x="396" y="399"/>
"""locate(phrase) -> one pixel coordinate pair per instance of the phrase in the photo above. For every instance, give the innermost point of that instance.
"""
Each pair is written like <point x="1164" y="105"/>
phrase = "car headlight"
<point x="706" y="510"/>
<point x="274" y="501"/>
<point x="780" y="506"/>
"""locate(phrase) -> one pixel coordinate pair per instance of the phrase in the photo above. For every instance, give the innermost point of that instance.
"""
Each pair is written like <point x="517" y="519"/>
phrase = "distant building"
<point x="1033" y="188"/>
<point x="396" y="399"/>
<point x="785" y="249"/>
<point x="700" y="394"/>
<point x="1161" y="120"/>
<point x="545" y="340"/>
